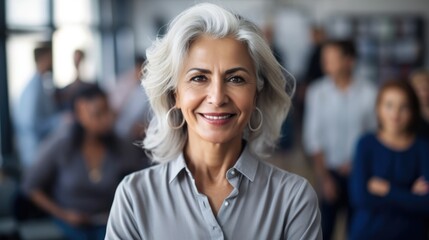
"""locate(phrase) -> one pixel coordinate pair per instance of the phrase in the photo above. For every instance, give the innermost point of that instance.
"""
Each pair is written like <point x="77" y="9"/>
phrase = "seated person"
<point x="75" y="177"/>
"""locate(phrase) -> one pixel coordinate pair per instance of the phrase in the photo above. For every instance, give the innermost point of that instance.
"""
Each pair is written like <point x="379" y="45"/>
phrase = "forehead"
<point x="207" y="51"/>
<point x="332" y="48"/>
<point x="395" y="94"/>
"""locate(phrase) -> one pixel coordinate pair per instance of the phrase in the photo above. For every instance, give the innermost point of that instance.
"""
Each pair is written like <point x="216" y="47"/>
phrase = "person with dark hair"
<point x="420" y="82"/>
<point x="36" y="115"/>
<point x="338" y="109"/>
<point x="66" y="94"/>
<point x="389" y="186"/>
<point x="314" y="65"/>
<point x="74" y="178"/>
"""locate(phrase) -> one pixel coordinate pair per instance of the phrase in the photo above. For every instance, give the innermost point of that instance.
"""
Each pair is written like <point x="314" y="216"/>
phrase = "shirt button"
<point x="233" y="172"/>
<point x="226" y="204"/>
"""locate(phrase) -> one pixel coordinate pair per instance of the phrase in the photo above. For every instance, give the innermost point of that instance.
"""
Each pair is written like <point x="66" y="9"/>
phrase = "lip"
<point x="218" y="119"/>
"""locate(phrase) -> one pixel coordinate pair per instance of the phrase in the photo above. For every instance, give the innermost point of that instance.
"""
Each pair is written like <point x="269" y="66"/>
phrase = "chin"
<point x="218" y="138"/>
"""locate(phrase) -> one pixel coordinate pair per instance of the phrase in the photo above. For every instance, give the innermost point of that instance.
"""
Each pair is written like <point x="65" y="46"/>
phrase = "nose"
<point x="216" y="93"/>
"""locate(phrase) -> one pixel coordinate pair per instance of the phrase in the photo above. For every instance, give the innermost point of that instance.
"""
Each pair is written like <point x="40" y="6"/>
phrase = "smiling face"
<point x="217" y="89"/>
<point x="394" y="110"/>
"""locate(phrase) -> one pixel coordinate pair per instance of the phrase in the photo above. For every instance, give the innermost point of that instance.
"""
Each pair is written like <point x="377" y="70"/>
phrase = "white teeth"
<point x="217" y="117"/>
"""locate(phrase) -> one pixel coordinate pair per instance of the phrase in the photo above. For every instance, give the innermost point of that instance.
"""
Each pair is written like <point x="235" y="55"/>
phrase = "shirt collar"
<point x="247" y="164"/>
<point x="176" y="166"/>
<point x="353" y="84"/>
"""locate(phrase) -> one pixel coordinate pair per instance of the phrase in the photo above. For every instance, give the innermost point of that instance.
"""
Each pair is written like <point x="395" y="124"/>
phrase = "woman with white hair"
<point x="218" y="98"/>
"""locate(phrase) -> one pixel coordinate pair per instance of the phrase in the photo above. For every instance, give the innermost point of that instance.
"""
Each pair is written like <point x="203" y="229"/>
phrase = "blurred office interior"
<point x="391" y="36"/>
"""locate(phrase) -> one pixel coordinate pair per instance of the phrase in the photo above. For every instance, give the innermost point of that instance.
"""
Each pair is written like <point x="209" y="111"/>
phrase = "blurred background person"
<point x="312" y="72"/>
<point x="66" y="94"/>
<point x="130" y="103"/>
<point x="339" y="108"/>
<point x="420" y="82"/>
<point x="314" y="69"/>
<point x="389" y="181"/>
<point x="36" y="115"/>
<point x="74" y="178"/>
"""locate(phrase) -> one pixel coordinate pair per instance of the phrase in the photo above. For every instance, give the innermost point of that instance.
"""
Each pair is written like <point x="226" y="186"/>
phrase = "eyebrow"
<point x="229" y="71"/>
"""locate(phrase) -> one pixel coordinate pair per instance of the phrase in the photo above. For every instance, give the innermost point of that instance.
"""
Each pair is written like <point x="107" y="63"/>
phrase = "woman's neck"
<point x="91" y="141"/>
<point x="211" y="160"/>
<point x="396" y="139"/>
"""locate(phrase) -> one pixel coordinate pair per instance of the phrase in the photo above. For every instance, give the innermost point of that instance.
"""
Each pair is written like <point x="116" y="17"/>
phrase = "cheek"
<point x="189" y="101"/>
<point x="186" y="95"/>
<point x="406" y="115"/>
<point x="245" y="103"/>
<point x="384" y="112"/>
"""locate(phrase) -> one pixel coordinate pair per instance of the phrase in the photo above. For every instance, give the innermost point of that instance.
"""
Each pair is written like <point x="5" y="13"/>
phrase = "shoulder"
<point x="422" y="143"/>
<point x="291" y="185"/>
<point x="319" y="86"/>
<point x="366" y="87"/>
<point x="144" y="180"/>
<point x="56" y="141"/>
<point x="156" y="172"/>
<point x="366" y="140"/>
<point x="318" y="91"/>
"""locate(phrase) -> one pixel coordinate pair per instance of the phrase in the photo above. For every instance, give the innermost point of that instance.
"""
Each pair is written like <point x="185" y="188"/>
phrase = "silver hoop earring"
<point x="169" y="122"/>
<point x="260" y="123"/>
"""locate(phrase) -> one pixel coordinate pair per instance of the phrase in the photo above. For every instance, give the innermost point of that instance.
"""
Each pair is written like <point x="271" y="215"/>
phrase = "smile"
<point x="217" y="118"/>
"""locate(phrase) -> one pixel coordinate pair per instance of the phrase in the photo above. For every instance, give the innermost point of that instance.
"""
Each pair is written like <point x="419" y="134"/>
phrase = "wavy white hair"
<point x="164" y="61"/>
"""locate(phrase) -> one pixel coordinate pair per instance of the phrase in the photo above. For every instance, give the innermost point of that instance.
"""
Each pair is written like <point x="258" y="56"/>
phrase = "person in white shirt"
<point x="338" y="109"/>
<point x="36" y="114"/>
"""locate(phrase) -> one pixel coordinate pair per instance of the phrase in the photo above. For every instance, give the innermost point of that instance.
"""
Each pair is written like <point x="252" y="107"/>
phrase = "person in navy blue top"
<point x="389" y="186"/>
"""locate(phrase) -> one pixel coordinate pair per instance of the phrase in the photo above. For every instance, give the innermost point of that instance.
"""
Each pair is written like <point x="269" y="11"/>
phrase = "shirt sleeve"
<point x="28" y="104"/>
<point x="361" y="173"/>
<point x="43" y="172"/>
<point x="121" y="223"/>
<point x="404" y="198"/>
<point x="312" y="120"/>
<point x="304" y="219"/>
<point x="397" y="197"/>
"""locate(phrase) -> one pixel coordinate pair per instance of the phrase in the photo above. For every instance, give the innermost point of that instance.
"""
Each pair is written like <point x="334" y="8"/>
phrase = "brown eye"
<point x="236" y="80"/>
<point x="200" y="78"/>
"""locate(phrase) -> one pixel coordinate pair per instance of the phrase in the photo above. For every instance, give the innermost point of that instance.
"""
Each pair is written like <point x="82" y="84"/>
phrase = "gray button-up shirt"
<point x="162" y="202"/>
